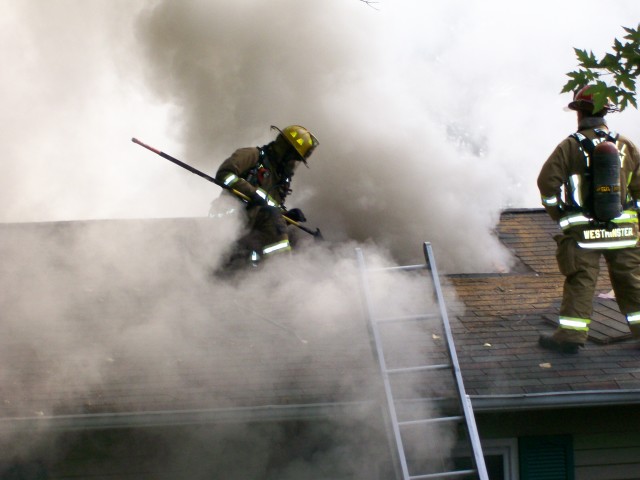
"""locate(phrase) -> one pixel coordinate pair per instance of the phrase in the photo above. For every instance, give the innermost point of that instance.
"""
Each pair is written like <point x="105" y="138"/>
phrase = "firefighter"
<point x="597" y="217"/>
<point x="263" y="175"/>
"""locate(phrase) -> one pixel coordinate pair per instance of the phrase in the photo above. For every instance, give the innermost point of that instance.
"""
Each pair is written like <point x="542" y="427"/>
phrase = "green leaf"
<point x="617" y="45"/>
<point x="628" y="82"/>
<point x="623" y="104"/>
<point x="620" y="68"/>
<point x="586" y="59"/>
<point x="592" y="61"/>
<point x="599" y="99"/>
<point x="609" y="62"/>
<point x="591" y="76"/>
<point x="633" y="33"/>
<point x="581" y="54"/>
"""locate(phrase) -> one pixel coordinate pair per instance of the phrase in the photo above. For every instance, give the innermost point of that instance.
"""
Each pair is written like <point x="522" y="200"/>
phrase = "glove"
<point x="296" y="215"/>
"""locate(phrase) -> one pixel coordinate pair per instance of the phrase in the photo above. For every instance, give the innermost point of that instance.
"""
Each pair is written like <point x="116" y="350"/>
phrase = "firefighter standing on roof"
<point x="263" y="175"/>
<point x="598" y="218"/>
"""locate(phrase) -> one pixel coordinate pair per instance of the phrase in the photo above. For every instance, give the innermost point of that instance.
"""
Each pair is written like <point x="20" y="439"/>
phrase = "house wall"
<point x="314" y="450"/>
<point x="605" y="440"/>
<point x="607" y="456"/>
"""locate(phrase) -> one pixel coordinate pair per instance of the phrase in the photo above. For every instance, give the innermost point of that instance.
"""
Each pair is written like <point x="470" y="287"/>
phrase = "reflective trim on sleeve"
<point x="265" y="196"/>
<point x="572" y="323"/>
<point x="576" y="191"/>
<point x="633" y="318"/>
<point x="622" y="148"/>
<point x="550" y="201"/>
<point x="281" y="246"/>
<point x="573" y="220"/>
<point x="230" y="179"/>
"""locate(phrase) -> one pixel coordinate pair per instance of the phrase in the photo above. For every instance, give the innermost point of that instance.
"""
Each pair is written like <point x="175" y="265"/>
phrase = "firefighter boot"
<point x="563" y="340"/>
<point x="237" y="261"/>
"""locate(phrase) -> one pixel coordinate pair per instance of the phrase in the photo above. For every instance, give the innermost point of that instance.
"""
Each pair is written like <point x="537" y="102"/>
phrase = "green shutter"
<point x="546" y="458"/>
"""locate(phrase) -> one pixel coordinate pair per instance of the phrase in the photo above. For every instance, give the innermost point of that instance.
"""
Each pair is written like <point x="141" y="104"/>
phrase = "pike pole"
<point x="240" y="195"/>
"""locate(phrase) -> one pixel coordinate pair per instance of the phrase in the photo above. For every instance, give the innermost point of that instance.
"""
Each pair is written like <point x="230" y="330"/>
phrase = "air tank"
<point x="605" y="165"/>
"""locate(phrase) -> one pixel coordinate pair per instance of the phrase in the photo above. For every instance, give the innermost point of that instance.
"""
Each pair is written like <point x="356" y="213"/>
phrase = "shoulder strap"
<point x="610" y="136"/>
<point x="252" y="174"/>
<point x="264" y="159"/>
<point x="586" y="146"/>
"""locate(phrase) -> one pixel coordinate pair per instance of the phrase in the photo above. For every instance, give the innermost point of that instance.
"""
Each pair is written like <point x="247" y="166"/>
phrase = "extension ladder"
<point x="422" y="419"/>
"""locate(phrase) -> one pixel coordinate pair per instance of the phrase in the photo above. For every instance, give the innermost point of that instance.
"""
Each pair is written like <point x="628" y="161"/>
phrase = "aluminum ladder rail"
<point x="479" y="470"/>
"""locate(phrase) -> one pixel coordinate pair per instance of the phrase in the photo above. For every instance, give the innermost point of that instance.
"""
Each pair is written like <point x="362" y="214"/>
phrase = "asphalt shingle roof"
<point x="498" y="318"/>
<point x="121" y="316"/>
<point x="81" y="334"/>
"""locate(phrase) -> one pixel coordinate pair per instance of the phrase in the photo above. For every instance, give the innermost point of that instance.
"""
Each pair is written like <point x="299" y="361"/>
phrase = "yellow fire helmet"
<point x="300" y="138"/>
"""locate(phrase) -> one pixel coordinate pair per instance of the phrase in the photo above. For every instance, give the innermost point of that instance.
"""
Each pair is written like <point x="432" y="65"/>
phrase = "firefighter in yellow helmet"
<point x="263" y="175"/>
<point x="591" y="186"/>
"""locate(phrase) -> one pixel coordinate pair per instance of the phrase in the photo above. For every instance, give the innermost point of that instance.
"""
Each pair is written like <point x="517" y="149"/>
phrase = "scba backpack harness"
<point x="263" y="169"/>
<point x="602" y="158"/>
<point x="598" y="219"/>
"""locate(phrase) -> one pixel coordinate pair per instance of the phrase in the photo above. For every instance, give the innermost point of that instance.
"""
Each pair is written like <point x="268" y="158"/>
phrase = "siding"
<point x="334" y="449"/>
<point x="607" y="456"/>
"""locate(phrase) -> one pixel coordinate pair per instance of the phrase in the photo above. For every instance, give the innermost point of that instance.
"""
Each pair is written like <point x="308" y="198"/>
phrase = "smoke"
<point x="432" y="117"/>
<point x="86" y="304"/>
<point x="416" y="121"/>
<point x="126" y="316"/>
<point x="345" y="72"/>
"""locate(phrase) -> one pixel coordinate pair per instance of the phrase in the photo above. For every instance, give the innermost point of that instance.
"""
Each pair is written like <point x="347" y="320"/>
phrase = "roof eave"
<point x="554" y="400"/>
<point x="143" y="419"/>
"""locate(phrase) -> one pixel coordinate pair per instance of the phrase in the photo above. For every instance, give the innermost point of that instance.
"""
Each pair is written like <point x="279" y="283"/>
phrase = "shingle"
<point x="495" y="318"/>
<point x="509" y="311"/>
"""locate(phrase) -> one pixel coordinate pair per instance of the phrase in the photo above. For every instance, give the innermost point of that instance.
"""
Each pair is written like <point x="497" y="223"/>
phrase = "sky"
<point x="432" y="116"/>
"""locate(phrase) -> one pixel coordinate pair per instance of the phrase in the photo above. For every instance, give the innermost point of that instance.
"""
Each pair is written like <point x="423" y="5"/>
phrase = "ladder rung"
<point x="402" y="268"/>
<point x="409" y="401"/>
<point x="407" y="318"/>
<point x="456" y="418"/>
<point x="457" y="473"/>
<point x="421" y="368"/>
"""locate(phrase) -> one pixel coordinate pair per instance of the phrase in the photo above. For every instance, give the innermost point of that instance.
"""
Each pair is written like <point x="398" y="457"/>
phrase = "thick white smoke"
<point x="122" y="316"/>
<point x="432" y="116"/>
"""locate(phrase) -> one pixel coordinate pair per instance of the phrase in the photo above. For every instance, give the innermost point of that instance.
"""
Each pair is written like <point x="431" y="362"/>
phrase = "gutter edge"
<point x="167" y="418"/>
<point x="554" y="400"/>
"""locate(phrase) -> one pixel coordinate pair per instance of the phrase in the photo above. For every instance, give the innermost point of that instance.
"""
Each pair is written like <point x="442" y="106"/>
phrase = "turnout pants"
<point x="581" y="266"/>
<point x="267" y="234"/>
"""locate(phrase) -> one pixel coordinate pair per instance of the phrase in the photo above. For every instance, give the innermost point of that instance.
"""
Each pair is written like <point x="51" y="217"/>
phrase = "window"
<point x="546" y="458"/>
<point x="501" y="458"/>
